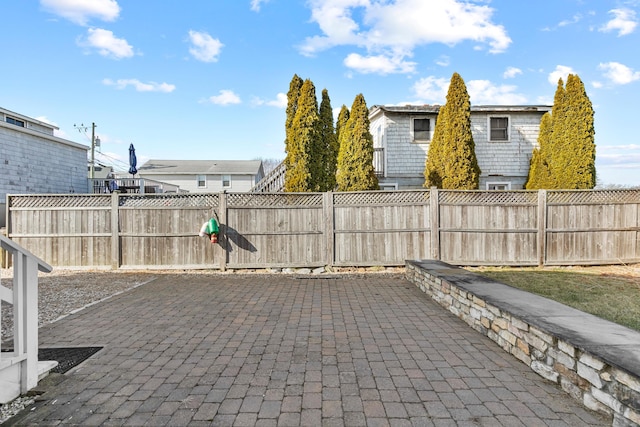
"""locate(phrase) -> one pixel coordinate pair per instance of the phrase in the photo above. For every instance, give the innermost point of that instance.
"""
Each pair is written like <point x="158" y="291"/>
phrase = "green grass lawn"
<point x="611" y="292"/>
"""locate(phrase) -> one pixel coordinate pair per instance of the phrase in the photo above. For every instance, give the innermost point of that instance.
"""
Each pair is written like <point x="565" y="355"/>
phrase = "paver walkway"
<point x="271" y="350"/>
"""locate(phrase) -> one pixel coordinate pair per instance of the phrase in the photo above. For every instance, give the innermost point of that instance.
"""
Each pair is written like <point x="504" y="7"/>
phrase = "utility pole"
<point x="93" y="150"/>
<point x="95" y="142"/>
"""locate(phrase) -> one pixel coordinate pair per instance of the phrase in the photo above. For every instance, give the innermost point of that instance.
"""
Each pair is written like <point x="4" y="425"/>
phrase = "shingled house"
<point x="504" y="136"/>
<point x="205" y="176"/>
<point x="34" y="160"/>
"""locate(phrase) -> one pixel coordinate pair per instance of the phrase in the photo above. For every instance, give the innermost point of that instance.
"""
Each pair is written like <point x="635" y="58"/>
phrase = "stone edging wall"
<point x="587" y="378"/>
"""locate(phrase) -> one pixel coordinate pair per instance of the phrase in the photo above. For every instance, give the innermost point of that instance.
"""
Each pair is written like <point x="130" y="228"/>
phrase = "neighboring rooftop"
<point x="426" y="108"/>
<point x="201" y="167"/>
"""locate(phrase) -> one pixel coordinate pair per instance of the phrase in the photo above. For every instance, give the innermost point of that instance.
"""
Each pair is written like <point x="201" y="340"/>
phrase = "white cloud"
<point x="80" y="12"/>
<point x="623" y="21"/>
<point x="46" y="120"/>
<point x="619" y="74"/>
<point x="257" y="4"/>
<point x="443" y="61"/>
<point x="481" y="92"/>
<point x="394" y="29"/>
<point x="379" y="64"/>
<point x="574" y="20"/>
<point x="279" y="102"/>
<point x="226" y="97"/>
<point x="205" y="48"/>
<point x="432" y="89"/>
<point x="561" y="72"/>
<point x="628" y="160"/>
<point x="140" y="86"/>
<point x="511" y="72"/>
<point x="106" y="44"/>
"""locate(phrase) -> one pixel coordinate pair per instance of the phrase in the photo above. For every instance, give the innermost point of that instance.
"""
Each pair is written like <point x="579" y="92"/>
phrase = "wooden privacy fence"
<point x="261" y="230"/>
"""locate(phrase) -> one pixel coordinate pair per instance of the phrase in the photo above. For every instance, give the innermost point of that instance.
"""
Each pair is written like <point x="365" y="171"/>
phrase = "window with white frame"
<point x="202" y="181"/>
<point x="421" y="129"/>
<point x="499" y="129"/>
<point x="226" y="181"/>
<point x="497" y="186"/>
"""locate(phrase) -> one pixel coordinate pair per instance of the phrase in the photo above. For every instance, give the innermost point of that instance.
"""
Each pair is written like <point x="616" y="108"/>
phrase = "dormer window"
<point x="14" y="121"/>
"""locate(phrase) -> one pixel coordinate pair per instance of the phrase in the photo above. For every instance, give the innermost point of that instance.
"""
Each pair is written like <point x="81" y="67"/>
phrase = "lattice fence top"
<point x="488" y="197"/>
<point x="166" y="200"/>
<point x="273" y="199"/>
<point x="60" y="201"/>
<point x="588" y="197"/>
<point x="371" y="198"/>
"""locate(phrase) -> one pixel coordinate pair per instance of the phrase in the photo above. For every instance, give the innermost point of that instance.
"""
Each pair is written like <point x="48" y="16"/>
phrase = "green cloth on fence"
<point x="212" y="226"/>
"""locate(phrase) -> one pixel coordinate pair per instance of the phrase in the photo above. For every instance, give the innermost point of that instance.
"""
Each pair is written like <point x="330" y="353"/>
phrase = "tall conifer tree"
<point x="565" y="158"/>
<point x="355" y="158"/>
<point x="539" y="173"/>
<point x="341" y="123"/>
<point x="328" y="156"/>
<point x="303" y="138"/>
<point x="578" y="159"/>
<point x="451" y="160"/>
<point x="292" y="106"/>
<point x="557" y="140"/>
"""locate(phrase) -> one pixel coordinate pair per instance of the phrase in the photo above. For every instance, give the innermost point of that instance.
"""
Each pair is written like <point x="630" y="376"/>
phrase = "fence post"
<point x="115" y="230"/>
<point x="329" y="227"/>
<point x="542" y="227"/>
<point x="434" y="213"/>
<point x="224" y="239"/>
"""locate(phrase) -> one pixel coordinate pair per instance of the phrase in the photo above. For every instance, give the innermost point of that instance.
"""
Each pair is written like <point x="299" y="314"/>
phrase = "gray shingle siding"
<point x="505" y="161"/>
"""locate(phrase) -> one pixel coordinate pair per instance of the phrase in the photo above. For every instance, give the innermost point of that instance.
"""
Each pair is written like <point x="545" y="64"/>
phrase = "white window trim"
<point x="507" y="184"/>
<point x="388" y="186"/>
<point x="222" y="181"/>
<point x="204" y="180"/>
<point x="412" y="134"/>
<point x="499" y="116"/>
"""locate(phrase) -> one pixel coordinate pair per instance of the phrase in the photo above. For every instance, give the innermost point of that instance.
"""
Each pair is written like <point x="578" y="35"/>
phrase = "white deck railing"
<point x="19" y="368"/>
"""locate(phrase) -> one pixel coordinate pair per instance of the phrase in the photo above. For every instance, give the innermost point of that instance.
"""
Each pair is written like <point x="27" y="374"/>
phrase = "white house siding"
<point x="239" y="183"/>
<point x="35" y="162"/>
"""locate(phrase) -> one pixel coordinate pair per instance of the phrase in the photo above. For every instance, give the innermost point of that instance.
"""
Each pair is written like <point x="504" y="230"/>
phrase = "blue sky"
<point x="207" y="79"/>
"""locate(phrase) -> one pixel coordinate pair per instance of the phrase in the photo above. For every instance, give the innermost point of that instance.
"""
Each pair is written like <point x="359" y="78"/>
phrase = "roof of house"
<point x="426" y="108"/>
<point x="4" y="111"/>
<point x="201" y="167"/>
<point x="34" y="127"/>
<point x="101" y="171"/>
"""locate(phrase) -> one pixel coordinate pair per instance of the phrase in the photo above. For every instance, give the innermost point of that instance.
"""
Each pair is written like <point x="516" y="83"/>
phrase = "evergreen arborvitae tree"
<point x="328" y="155"/>
<point x="451" y="160"/>
<point x="539" y="173"/>
<point x="304" y="132"/>
<point x="565" y="158"/>
<point x="434" y="171"/>
<point x="341" y="123"/>
<point x="577" y="159"/>
<point x="292" y="106"/>
<point x="557" y="138"/>
<point x="355" y="158"/>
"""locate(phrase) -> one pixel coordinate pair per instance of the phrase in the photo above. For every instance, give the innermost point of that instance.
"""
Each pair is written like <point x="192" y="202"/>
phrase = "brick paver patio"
<point x="282" y="350"/>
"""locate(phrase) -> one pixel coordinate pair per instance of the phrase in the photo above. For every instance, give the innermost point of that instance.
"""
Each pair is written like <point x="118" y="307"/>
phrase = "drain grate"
<point x="67" y="357"/>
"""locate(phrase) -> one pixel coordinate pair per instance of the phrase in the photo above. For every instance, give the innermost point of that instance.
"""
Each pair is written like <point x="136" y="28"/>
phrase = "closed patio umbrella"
<point x="132" y="160"/>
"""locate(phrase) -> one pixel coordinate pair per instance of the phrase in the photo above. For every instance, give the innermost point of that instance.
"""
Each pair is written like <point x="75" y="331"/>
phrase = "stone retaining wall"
<point x="595" y="382"/>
